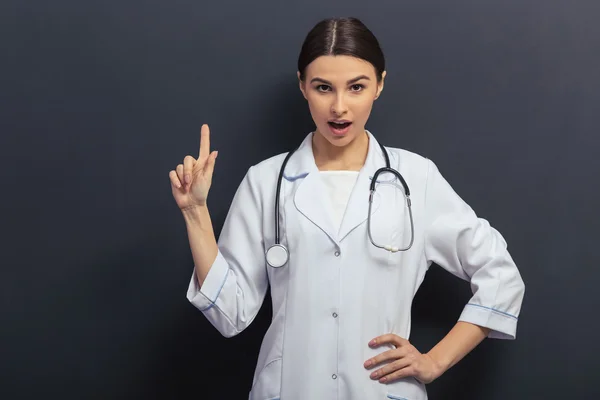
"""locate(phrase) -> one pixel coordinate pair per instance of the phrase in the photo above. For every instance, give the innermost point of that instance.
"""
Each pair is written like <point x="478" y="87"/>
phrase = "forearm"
<point x="203" y="243"/>
<point x="461" y="339"/>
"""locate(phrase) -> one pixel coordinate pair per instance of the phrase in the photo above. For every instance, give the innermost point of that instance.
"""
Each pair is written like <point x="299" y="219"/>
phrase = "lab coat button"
<point x="334" y="376"/>
<point x="337" y="253"/>
<point x="334" y="315"/>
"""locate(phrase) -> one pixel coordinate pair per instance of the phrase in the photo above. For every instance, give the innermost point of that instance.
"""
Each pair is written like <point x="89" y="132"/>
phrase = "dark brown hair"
<point x="341" y="36"/>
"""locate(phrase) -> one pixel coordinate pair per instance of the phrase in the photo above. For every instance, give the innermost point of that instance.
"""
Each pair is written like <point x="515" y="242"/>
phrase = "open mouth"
<point x="339" y="128"/>
<point x="339" y="125"/>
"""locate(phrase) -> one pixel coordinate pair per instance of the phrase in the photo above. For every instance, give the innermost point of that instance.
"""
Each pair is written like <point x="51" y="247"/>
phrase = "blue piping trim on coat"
<point x="389" y="396"/>
<point x="212" y="303"/>
<point x="494" y="310"/>
<point x="294" y="178"/>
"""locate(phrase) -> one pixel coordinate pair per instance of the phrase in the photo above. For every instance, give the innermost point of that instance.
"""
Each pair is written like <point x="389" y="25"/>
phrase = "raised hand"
<point x="190" y="181"/>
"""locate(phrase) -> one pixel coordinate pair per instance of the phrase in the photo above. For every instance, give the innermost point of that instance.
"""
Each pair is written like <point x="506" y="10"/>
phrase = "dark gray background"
<point x="100" y="99"/>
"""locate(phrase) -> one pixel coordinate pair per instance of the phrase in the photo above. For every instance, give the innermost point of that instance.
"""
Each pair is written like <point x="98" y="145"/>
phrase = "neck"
<point x="350" y="157"/>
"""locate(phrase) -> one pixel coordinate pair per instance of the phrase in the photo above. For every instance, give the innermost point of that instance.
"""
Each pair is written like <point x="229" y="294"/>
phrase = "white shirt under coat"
<point x="338" y="291"/>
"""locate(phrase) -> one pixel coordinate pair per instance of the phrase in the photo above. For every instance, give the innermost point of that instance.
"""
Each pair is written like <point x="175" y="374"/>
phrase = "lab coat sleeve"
<point x="235" y="286"/>
<point x="468" y="247"/>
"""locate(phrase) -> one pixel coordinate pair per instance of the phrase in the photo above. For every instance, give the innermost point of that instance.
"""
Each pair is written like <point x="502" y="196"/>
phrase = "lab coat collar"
<point x="312" y="200"/>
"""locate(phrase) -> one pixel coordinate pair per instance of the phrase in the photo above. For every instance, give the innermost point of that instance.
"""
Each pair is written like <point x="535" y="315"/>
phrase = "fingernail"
<point x="383" y="379"/>
<point x="187" y="179"/>
<point x="368" y="363"/>
<point x="372" y="342"/>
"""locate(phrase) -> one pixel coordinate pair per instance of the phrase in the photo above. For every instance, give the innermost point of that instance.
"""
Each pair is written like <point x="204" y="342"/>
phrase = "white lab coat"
<point x="338" y="291"/>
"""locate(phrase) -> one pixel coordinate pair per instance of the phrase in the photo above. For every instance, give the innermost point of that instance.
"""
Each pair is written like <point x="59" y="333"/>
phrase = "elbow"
<point x="517" y="289"/>
<point x="229" y="331"/>
<point x="522" y="289"/>
<point x="520" y="285"/>
<point x="223" y="325"/>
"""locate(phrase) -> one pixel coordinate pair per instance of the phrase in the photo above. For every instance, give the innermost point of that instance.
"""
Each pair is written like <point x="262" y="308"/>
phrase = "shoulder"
<point x="407" y="156"/>
<point x="271" y="163"/>
<point x="268" y="167"/>
<point x="260" y="176"/>
<point x="411" y="162"/>
<point x="420" y="171"/>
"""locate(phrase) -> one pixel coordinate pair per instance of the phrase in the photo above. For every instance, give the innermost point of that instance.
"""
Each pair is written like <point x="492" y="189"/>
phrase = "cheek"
<point x="362" y="108"/>
<point x="317" y="105"/>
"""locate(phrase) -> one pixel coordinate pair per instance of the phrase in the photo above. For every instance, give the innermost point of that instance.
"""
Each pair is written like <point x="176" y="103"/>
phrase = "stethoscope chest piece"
<point x="277" y="256"/>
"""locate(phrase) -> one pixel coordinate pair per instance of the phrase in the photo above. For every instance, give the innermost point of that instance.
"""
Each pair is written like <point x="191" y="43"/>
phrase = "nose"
<point x="338" y="107"/>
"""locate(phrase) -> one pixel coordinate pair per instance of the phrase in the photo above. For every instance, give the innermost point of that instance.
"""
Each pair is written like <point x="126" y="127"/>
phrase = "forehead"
<point x="339" y="68"/>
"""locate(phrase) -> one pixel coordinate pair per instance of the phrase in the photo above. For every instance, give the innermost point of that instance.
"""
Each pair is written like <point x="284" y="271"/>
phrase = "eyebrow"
<point x="351" y="81"/>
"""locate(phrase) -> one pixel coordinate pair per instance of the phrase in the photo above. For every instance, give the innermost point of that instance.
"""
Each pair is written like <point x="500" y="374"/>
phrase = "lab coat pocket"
<point x="406" y="389"/>
<point x="268" y="382"/>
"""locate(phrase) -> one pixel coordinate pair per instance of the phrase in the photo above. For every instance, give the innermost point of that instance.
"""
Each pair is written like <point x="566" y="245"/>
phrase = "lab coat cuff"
<point x="502" y="325"/>
<point x="204" y="297"/>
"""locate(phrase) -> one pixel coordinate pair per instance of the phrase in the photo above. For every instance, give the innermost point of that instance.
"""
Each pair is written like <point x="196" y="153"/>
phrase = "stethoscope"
<point x="278" y="255"/>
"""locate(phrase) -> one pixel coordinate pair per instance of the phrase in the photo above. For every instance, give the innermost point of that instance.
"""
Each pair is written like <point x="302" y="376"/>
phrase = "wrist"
<point x="194" y="213"/>
<point x="192" y="208"/>
<point x="440" y="365"/>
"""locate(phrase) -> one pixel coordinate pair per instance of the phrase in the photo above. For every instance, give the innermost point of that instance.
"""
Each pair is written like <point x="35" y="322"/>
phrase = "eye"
<point x="357" y="87"/>
<point x="322" y="88"/>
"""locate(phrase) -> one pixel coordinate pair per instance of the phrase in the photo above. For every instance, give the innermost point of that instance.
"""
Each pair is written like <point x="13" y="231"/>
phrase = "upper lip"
<point x="339" y="121"/>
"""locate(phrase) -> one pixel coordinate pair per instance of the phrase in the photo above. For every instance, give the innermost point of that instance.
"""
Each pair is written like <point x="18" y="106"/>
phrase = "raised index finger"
<point x="204" y="143"/>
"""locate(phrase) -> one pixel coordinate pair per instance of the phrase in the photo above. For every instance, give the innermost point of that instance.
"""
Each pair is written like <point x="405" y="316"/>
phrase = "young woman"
<point x="343" y="261"/>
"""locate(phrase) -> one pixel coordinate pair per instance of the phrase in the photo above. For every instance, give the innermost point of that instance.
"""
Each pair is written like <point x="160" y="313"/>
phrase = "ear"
<point x="380" y="85"/>
<point x="301" y="84"/>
